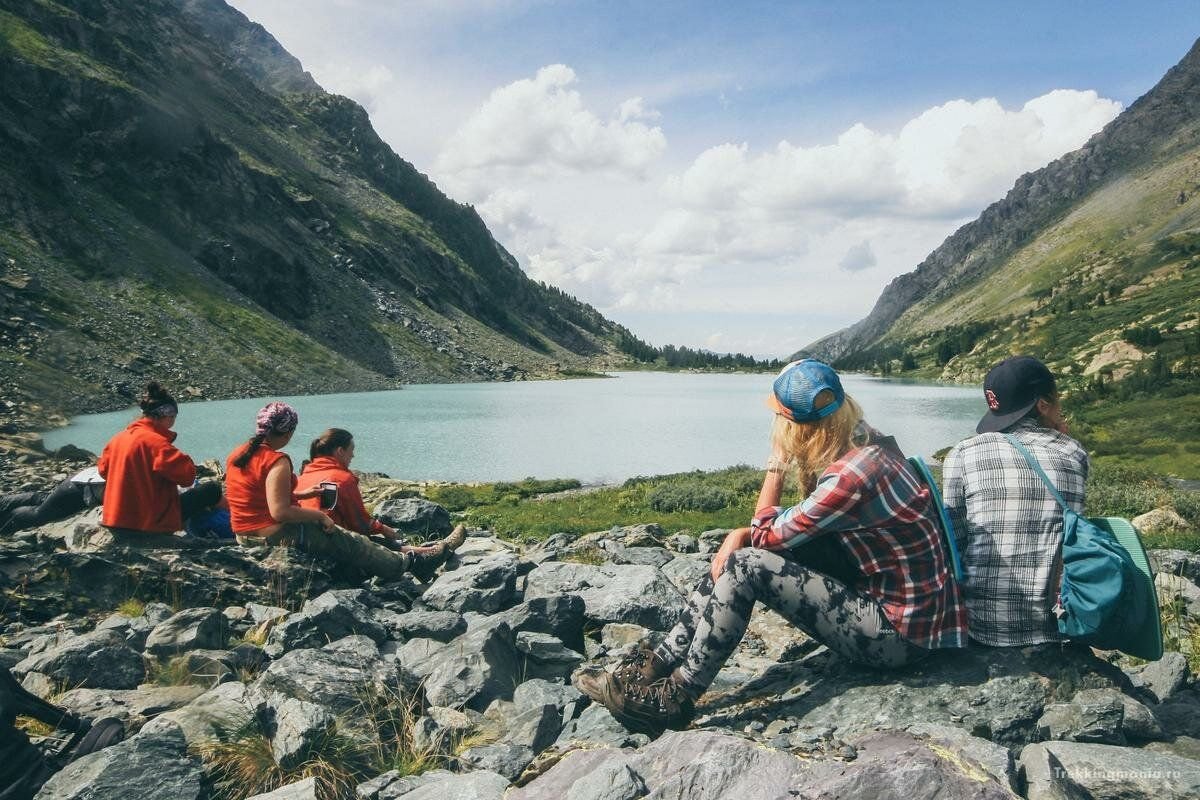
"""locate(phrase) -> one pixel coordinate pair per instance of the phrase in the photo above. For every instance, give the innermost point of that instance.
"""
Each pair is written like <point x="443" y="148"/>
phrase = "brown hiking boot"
<point x="423" y="562"/>
<point x="642" y="708"/>
<point x="641" y="666"/>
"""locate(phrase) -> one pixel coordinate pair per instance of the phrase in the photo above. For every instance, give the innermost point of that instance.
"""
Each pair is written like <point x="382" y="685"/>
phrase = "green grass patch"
<point x="685" y="501"/>
<point x="28" y="44"/>
<point x="462" y="496"/>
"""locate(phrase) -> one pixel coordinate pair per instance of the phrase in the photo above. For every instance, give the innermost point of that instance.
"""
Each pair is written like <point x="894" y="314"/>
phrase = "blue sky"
<point x="696" y="169"/>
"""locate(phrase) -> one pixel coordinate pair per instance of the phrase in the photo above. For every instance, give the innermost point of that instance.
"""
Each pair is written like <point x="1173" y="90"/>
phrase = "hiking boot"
<point x="642" y="708"/>
<point x="456" y="538"/>
<point x="641" y="666"/>
<point x="423" y="562"/>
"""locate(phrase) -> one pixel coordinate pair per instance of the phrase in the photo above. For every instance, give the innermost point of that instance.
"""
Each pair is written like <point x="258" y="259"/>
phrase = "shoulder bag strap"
<point x="1057" y="569"/>
<point x="1033" y="462"/>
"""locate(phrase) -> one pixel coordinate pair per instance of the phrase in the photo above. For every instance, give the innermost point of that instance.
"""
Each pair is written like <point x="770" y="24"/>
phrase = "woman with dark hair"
<point x="142" y="470"/>
<point x="858" y="565"/>
<point x="329" y="456"/>
<point x="264" y="508"/>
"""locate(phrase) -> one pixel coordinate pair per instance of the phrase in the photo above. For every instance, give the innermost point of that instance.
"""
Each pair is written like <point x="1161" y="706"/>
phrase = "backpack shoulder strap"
<point x="947" y="527"/>
<point x="1033" y="462"/>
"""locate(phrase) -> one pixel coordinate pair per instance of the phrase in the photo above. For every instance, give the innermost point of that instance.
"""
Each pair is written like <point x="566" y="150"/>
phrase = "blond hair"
<point x="810" y="447"/>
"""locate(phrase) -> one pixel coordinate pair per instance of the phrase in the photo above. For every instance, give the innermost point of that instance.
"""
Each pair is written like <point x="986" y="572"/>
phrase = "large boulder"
<point x="486" y="587"/>
<point x="998" y="694"/>
<point x="334" y="676"/>
<point x="300" y="790"/>
<point x="190" y="629"/>
<point x="212" y="715"/>
<point x="414" y="515"/>
<point x="560" y="615"/>
<point x="99" y="660"/>
<point x="637" y="594"/>
<point x="474" y="669"/>
<point x="151" y="764"/>
<point x="1059" y="770"/>
<point x="441" y="626"/>
<point x="326" y="618"/>
<point x="132" y="706"/>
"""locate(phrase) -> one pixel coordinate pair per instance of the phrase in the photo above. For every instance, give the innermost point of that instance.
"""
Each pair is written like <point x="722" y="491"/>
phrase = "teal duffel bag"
<point x="1107" y="598"/>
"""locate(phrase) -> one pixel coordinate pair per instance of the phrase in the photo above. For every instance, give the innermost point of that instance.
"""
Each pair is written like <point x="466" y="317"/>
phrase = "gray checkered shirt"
<point x="1009" y="528"/>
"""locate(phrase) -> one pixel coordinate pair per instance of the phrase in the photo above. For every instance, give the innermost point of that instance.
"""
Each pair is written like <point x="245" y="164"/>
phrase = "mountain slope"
<point x="179" y="199"/>
<point x="1098" y="241"/>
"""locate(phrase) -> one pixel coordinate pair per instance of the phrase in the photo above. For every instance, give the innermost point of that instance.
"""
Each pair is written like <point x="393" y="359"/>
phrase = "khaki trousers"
<point x="339" y="546"/>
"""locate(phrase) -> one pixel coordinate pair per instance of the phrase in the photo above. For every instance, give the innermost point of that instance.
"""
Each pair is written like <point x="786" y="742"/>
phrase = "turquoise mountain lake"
<point x="599" y="430"/>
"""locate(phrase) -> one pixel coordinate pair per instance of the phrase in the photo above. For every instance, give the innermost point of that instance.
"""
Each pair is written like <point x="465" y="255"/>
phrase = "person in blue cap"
<point x="858" y="564"/>
<point x="1008" y="528"/>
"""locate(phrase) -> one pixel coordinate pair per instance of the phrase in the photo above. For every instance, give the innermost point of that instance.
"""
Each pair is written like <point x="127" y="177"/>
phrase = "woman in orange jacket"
<point x="330" y="455"/>
<point x="142" y="470"/>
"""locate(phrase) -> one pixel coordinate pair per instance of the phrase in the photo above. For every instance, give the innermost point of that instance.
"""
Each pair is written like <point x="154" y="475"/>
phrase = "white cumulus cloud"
<point x="542" y="124"/>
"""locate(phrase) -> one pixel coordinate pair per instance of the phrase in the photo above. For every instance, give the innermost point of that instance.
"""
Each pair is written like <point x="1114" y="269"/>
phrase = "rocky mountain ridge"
<point x="1096" y="221"/>
<point x="180" y="200"/>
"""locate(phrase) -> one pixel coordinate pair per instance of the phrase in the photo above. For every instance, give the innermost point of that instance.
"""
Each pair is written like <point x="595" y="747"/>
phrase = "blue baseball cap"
<point x="796" y="389"/>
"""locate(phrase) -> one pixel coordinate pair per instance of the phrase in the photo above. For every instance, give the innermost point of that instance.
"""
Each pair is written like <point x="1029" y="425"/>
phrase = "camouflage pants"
<point x="848" y="622"/>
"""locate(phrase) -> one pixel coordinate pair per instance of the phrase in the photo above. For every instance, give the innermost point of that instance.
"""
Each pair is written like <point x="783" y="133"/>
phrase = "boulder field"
<point x="219" y="657"/>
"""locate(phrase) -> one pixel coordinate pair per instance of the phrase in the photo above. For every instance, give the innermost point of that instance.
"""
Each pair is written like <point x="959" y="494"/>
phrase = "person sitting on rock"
<point x="330" y="455"/>
<point x="1008" y="527"/>
<point x="859" y="565"/>
<point x="142" y="470"/>
<point x="72" y="496"/>
<point x="264" y="508"/>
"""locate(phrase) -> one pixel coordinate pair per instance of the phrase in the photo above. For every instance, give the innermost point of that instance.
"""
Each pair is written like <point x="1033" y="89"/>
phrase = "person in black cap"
<point x="1008" y="527"/>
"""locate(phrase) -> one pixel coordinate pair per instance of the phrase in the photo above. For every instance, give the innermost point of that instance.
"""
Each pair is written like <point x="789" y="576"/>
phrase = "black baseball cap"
<point x="1011" y="388"/>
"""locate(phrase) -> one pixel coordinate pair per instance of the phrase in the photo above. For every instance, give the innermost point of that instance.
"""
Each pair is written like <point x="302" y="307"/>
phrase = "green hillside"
<point x="1093" y="265"/>
<point x="180" y="200"/>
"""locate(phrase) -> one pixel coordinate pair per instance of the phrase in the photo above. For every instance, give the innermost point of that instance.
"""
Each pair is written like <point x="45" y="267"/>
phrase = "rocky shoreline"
<point x="215" y="657"/>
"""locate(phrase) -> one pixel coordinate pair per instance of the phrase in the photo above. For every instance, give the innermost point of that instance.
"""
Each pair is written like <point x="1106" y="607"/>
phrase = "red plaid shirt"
<point x="871" y="500"/>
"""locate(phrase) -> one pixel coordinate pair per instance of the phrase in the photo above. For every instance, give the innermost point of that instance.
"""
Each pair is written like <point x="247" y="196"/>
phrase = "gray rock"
<point x="333" y="615"/>
<point x="296" y="725"/>
<point x="1068" y="770"/>
<point x="133" y="629"/>
<point x="613" y="780"/>
<point x="993" y="693"/>
<point x="300" y="790"/>
<point x="213" y="714"/>
<point x="544" y="656"/>
<point x="538" y="692"/>
<point x="478" y="548"/>
<point x="417" y="658"/>
<point x="147" y="765"/>
<point x="637" y="594"/>
<point x="336" y="680"/>
<point x="132" y="706"/>
<point x="1180" y="715"/>
<point x="486" y="587"/>
<point x="597" y="727"/>
<point x="1178" y="590"/>
<point x="474" y="669"/>
<point x="684" y="572"/>
<point x="535" y="728"/>
<point x="993" y="759"/>
<point x="560" y="615"/>
<point x="1139" y="722"/>
<point x="190" y="629"/>
<point x="209" y="667"/>
<point x="441" y="729"/>
<point x="698" y="765"/>
<point x="682" y="543"/>
<point x="441" y="626"/>
<point x="1176" y="562"/>
<point x="509" y="760"/>
<point x="414" y="515"/>
<point x="260" y="613"/>
<point x="891" y="765"/>
<point x="618" y="635"/>
<point x="648" y="556"/>
<point x="1094" y="715"/>
<point x="1164" y="677"/>
<point x="99" y="660"/>
<point x="1159" y="520"/>
<point x="480" y="785"/>
<point x="10" y="657"/>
